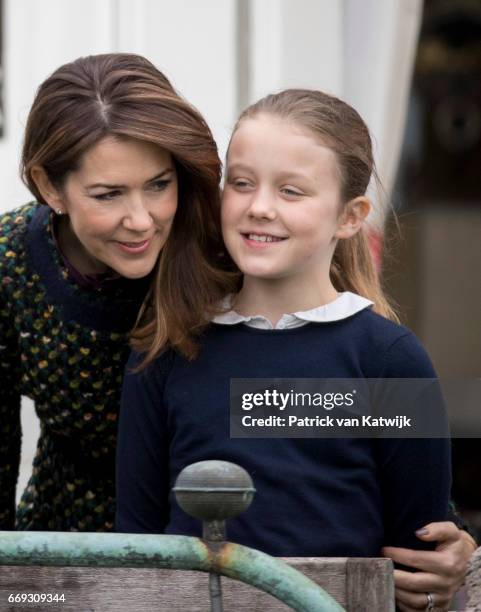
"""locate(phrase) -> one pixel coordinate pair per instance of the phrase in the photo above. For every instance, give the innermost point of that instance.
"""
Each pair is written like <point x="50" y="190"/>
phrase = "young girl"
<point x="309" y="306"/>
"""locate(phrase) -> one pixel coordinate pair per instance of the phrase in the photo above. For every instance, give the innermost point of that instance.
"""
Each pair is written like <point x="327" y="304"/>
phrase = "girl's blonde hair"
<point x="341" y="129"/>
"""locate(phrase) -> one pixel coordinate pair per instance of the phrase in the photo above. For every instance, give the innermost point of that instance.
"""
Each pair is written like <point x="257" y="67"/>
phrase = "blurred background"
<point x="411" y="68"/>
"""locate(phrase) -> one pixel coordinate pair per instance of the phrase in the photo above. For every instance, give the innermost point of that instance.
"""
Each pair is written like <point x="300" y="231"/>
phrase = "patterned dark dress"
<point x="65" y="347"/>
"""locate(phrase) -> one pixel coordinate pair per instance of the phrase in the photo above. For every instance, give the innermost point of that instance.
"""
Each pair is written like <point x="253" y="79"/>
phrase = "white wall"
<point x="379" y="42"/>
<point x="295" y="44"/>
<point x="39" y="37"/>
<point x="194" y="43"/>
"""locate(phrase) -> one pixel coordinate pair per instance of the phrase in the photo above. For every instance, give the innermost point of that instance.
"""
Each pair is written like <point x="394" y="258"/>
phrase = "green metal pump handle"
<point x="169" y="552"/>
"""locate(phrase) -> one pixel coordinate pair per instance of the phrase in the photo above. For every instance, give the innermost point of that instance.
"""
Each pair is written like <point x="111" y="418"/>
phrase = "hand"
<point x="441" y="572"/>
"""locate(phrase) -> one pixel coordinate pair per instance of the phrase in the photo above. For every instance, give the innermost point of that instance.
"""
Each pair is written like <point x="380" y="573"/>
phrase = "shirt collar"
<point x="344" y="306"/>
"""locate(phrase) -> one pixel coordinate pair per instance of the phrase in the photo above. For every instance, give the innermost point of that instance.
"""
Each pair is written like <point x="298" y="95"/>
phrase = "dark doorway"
<point x="434" y="270"/>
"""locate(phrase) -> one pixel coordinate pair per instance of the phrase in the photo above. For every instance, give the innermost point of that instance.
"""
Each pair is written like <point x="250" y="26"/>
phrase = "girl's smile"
<point x="259" y="240"/>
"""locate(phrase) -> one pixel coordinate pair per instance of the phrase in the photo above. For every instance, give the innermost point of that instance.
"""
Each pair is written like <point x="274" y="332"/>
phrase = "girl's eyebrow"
<point x="296" y="176"/>
<point x="238" y="167"/>
<point x="288" y="174"/>
<point x="110" y="186"/>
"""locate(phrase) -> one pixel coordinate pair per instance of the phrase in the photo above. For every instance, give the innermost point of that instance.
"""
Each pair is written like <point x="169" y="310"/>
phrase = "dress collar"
<point x="93" y="282"/>
<point x="114" y="310"/>
<point x="344" y="306"/>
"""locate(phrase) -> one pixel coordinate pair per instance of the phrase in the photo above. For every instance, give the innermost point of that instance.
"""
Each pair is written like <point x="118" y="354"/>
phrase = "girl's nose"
<point x="262" y="206"/>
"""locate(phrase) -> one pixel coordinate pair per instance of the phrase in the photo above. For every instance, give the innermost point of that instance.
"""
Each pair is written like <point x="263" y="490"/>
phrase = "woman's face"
<point x="119" y="207"/>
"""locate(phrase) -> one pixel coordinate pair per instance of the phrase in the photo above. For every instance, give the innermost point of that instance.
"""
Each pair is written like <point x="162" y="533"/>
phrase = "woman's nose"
<point x="137" y="216"/>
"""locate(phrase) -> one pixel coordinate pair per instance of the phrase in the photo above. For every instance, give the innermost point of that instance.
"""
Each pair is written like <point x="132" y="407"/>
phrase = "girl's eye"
<point x="107" y="196"/>
<point x="160" y="185"/>
<point x="291" y="192"/>
<point x="240" y="184"/>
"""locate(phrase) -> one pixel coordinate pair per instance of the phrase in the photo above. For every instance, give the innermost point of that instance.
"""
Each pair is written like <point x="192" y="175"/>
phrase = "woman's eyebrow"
<point x="112" y="186"/>
<point x="158" y="176"/>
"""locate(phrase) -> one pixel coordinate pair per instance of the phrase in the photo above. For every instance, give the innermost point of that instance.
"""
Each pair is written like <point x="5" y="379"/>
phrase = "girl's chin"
<point x="259" y="267"/>
<point x="261" y="274"/>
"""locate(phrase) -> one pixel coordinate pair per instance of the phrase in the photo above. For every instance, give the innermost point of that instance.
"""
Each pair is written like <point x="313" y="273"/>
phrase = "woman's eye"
<point x="160" y="185"/>
<point x="105" y="197"/>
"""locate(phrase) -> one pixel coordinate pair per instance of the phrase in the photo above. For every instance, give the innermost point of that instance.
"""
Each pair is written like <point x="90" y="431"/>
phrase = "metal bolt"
<point x="214" y="491"/>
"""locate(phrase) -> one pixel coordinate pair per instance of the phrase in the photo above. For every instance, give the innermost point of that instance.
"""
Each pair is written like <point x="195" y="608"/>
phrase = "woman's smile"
<point x="135" y="247"/>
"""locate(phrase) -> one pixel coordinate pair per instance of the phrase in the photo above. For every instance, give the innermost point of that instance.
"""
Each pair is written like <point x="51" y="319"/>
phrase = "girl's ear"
<point x="353" y="217"/>
<point x="50" y="194"/>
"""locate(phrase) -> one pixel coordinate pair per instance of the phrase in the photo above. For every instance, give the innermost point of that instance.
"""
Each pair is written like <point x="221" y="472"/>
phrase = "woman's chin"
<point x="136" y="274"/>
<point x="134" y="270"/>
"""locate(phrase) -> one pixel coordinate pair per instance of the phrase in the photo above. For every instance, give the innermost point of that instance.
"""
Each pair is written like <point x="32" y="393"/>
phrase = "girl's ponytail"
<point x="353" y="269"/>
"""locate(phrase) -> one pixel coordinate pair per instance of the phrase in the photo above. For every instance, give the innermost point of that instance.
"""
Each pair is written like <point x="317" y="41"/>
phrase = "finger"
<point x="469" y="542"/>
<point x="444" y="589"/>
<point x="416" y="601"/>
<point x="445" y="531"/>
<point x="419" y="601"/>
<point x="450" y="564"/>
<point x="421" y="582"/>
<point x="425" y="560"/>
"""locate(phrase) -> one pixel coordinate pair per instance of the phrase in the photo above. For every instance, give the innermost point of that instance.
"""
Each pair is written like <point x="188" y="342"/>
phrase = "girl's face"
<point x="119" y="207"/>
<point x="281" y="200"/>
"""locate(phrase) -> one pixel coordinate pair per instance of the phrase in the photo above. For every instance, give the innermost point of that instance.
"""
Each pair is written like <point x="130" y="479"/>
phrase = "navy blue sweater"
<point x="315" y="497"/>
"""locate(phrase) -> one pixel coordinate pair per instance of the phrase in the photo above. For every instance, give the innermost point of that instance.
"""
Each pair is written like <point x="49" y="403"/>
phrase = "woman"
<point x="122" y="169"/>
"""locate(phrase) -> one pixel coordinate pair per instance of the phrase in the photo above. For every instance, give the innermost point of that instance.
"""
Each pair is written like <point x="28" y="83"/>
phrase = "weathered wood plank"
<point x="473" y="582"/>
<point x="370" y="586"/>
<point x="137" y="590"/>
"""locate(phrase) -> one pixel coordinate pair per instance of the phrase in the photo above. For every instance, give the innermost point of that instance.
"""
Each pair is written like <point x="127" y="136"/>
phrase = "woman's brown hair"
<point x="124" y="95"/>
<point x="341" y="129"/>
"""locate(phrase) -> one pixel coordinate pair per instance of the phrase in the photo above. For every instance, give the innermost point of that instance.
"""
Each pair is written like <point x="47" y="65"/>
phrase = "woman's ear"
<point x="353" y="217"/>
<point x="50" y="194"/>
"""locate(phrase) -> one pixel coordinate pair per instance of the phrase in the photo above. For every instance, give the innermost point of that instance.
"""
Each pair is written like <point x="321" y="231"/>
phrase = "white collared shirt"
<point x="345" y="305"/>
